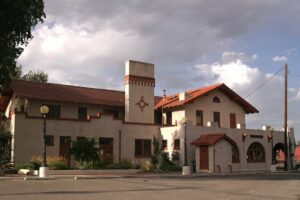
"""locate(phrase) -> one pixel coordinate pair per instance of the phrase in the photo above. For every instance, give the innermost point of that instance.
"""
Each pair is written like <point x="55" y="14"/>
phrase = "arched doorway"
<point x="278" y="157"/>
<point x="256" y="153"/>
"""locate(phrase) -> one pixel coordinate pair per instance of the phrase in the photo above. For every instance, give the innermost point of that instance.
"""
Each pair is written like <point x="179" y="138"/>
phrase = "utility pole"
<point x="286" y="134"/>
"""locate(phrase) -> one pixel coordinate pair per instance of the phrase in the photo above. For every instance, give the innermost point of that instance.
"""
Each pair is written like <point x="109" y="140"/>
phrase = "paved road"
<point x="259" y="186"/>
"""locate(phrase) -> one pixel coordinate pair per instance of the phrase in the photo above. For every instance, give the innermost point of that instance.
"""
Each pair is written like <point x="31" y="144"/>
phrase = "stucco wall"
<point x="28" y="141"/>
<point x="193" y="132"/>
<point x="208" y="107"/>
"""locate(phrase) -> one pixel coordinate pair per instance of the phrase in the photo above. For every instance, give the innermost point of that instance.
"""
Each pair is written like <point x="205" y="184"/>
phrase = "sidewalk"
<point x="140" y="175"/>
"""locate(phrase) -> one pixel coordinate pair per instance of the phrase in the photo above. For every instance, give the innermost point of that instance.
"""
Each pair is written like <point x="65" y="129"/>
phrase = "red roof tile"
<point x="212" y="139"/>
<point x="68" y="93"/>
<point x="173" y="101"/>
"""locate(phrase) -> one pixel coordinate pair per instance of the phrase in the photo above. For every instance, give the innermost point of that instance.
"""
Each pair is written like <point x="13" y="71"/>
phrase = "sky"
<point x="193" y="43"/>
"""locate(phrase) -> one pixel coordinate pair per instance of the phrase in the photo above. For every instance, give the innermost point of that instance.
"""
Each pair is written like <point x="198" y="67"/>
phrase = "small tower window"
<point x="216" y="100"/>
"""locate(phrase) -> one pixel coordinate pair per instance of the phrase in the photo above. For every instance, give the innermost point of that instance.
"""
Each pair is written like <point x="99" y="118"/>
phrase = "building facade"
<point x="209" y="120"/>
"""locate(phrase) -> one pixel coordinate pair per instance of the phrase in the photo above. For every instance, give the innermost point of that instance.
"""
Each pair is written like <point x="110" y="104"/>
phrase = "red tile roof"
<point x="67" y="93"/>
<point x="212" y="139"/>
<point x="173" y="100"/>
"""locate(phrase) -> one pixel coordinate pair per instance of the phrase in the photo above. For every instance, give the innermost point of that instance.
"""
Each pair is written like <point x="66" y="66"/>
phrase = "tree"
<point x="18" y="18"/>
<point x="32" y="75"/>
<point x="156" y="152"/>
<point x="5" y="137"/>
<point x="84" y="150"/>
<point x="35" y="76"/>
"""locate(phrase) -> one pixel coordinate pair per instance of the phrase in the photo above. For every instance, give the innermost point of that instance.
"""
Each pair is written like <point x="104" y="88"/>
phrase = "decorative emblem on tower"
<point x="142" y="104"/>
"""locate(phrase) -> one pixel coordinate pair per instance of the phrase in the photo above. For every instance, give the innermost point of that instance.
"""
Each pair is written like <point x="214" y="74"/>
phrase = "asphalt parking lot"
<point x="247" y="186"/>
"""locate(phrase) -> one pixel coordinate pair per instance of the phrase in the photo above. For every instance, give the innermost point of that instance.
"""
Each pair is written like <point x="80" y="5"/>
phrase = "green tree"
<point x="18" y="18"/>
<point x="156" y="152"/>
<point x="35" y="76"/>
<point x="84" y="150"/>
<point x="5" y="137"/>
<point x="32" y="75"/>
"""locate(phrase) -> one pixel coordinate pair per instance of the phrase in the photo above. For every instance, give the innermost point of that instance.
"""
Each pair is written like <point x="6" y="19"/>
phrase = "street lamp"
<point x="43" y="172"/>
<point x="185" y="168"/>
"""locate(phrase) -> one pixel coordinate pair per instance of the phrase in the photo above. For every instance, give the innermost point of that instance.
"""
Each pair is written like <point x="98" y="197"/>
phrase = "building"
<point x="124" y="123"/>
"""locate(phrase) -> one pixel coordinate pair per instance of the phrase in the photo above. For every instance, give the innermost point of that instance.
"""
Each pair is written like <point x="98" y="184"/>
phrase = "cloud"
<point x="245" y="80"/>
<point x="280" y="59"/>
<point x="232" y="56"/>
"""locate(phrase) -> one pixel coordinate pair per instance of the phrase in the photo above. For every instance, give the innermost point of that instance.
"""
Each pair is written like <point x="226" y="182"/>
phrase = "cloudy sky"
<point x="193" y="43"/>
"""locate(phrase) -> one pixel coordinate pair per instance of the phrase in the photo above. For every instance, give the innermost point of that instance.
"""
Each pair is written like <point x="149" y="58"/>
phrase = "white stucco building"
<point x="124" y="123"/>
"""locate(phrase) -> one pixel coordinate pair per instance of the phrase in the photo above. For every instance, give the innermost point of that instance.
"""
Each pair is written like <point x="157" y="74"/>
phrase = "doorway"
<point x="203" y="157"/>
<point x="106" y="147"/>
<point x="64" y="147"/>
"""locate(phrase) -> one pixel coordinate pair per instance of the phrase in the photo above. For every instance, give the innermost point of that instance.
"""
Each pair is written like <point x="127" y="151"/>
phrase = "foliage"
<point x="175" y="156"/>
<point x="24" y="166"/>
<point x="100" y="164"/>
<point x="53" y="162"/>
<point x="166" y="164"/>
<point x="84" y="150"/>
<point x="156" y="152"/>
<point x="5" y="137"/>
<point x="35" y="76"/>
<point x="18" y="18"/>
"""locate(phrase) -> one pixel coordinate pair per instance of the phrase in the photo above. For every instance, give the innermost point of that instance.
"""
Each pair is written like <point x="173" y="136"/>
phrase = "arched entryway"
<point x="278" y="157"/>
<point x="256" y="153"/>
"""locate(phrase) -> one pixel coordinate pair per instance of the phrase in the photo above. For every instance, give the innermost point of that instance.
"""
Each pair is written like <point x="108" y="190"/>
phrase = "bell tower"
<point x="139" y="92"/>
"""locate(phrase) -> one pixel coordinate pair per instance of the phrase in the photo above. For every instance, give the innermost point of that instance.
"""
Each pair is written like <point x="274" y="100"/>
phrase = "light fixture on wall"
<point x="43" y="172"/>
<point x="244" y="136"/>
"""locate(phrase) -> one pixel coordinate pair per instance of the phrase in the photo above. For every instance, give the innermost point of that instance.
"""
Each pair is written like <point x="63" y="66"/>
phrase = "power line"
<point x="265" y="82"/>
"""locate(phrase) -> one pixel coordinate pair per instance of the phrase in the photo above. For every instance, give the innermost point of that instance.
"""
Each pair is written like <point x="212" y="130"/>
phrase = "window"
<point x="142" y="148"/>
<point x="82" y="113"/>
<point x="256" y="153"/>
<point x="232" y="120"/>
<point x="235" y="154"/>
<point x="54" y="111"/>
<point x="114" y="113"/>
<point x="169" y="118"/>
<point x="199" y="117"/>
<point x="164" y="144"/>
<point x="216" y="100"/>
<point x="49" y="140"/>
<point x="176" y="144"/>
<point x="217" y="118"/>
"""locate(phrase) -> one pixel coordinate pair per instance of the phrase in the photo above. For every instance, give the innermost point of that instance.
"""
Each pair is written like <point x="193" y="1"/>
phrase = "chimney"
<point x="139" y="92"/>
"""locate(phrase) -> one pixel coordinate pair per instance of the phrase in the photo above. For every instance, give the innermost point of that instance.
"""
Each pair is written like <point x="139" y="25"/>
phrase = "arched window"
<point x="235" y="154"/>
<point x="256" y="153"/>
<point x="216" y="100"/>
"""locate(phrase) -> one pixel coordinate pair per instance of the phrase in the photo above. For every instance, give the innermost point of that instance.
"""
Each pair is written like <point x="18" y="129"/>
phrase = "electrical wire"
<point x="265" y="82"/>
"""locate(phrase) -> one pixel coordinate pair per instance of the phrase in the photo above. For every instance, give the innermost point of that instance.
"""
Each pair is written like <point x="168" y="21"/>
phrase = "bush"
<point x="125" y="164"/>
<point x="84" y="150"/>
<point x="53" y="162"/>
<point x="5" y="137"/>
<point x="24" y="166"/>
<point x="166" y="164"/>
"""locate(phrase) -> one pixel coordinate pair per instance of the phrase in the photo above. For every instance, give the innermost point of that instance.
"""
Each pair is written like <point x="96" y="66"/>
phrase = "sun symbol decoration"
<point x="142" y="104"/>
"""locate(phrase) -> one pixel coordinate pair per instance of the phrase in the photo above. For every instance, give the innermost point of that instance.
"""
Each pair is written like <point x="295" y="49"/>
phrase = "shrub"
<point x="5" y="137"/>
<point x="175" y="156"/>
<point x="53" y="162"/>
<point x="166" y="164"/>
<point x="36" y="162"/>
<point x="84" y="150"/>
<point x="156" y="152"/>
<point x="24" y="166"/>
<point x="125" y="164"/>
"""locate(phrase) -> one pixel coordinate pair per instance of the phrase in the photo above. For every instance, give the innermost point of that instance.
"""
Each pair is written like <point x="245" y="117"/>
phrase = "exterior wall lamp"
<point x="43" y="172"/>
<point x="244" y="136"/>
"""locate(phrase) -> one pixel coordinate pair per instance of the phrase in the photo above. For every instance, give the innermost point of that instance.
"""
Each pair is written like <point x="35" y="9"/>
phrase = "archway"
<point x="256" y="153"/>
<point x="278" y="157"/>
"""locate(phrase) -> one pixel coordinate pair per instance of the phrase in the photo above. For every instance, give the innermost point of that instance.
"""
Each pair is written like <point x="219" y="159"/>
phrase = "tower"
<point x="139" y="92"/>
